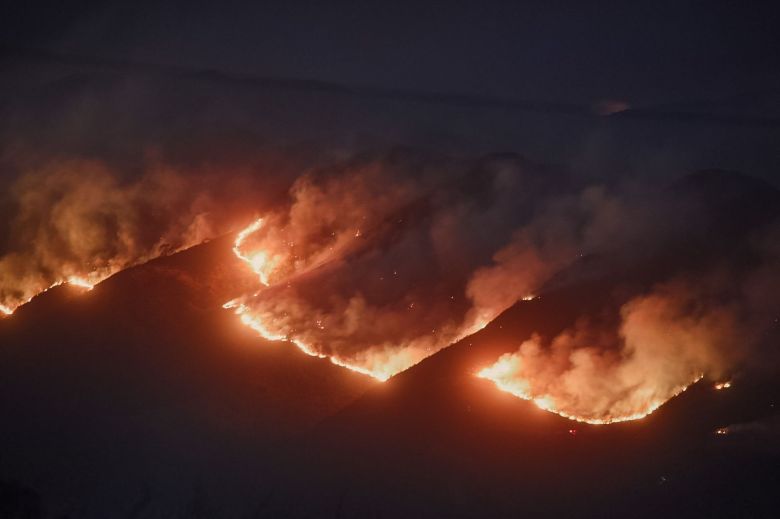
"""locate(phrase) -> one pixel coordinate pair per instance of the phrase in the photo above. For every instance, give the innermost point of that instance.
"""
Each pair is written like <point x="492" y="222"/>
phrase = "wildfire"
<point x="256" y="323"/>
<point x="380" y="361"/>
<point x="502" y="375"/>
<point x="80" y="282"/>
<point x="722" y="385"/>
<point x="87" y="283"/>
<point x="257" y="260"/>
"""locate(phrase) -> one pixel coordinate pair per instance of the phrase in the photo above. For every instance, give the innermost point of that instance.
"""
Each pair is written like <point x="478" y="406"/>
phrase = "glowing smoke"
<point x="369" y="264"/>
<point x="76" y="222"/>
<point x="667" y="340"/>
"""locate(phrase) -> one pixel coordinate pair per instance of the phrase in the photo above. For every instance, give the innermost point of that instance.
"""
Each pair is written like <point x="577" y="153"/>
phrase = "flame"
<point x="81" y="282"/>
<point x="256" y="323"/>
<point x="722" y="385"/>
<point x="722" y="431"/>
<point x="257" y="260"/>
<point x="380" y="362"/>
<point x="502" y="375"/>
<point x="86" y="282"/>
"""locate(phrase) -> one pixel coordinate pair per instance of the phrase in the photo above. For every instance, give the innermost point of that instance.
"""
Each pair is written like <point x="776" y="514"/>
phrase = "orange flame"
<point x="502" y="375"/>
<point x="81" y="282"/>
<point x="87" y="283"/>
<point x="257" y="260"/>
<point x="256" y="323"/>
<point x="379" y="363"/>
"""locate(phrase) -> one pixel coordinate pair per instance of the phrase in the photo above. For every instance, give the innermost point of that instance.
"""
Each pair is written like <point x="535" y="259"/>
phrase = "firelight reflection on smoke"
<point x="380" y="363"/>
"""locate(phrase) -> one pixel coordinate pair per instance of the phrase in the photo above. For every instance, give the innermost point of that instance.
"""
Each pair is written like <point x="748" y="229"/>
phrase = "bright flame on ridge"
<point x="256" y="323"/>
<point x="258" y="260"/>
<point x="501" y="374"/>
<point x="380" y="366"/>
<point x="87" y="283"/>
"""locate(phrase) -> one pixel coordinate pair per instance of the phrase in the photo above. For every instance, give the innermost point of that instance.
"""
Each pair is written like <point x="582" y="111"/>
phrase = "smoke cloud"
<point x="369" y="263"/>
<point x="666" y="340"/>
<point x="77" y="221"/>
<point x="709" y="319"/>
<point x="377" y="260"/>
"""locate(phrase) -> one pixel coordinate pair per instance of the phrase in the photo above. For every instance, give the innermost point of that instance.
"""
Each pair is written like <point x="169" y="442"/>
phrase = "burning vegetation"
<point x="378" y="262"/>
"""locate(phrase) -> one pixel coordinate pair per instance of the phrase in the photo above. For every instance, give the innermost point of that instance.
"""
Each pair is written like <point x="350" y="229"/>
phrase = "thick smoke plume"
<point x="380" y="262"/>
<point x="708" y="319"/>
<point x="77" y="221"/>
<point x="666" y="340"/>
<point x="369" y="263"/>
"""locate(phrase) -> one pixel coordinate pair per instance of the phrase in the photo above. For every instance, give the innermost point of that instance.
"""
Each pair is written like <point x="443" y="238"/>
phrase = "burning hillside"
<point x="378" y="262"/>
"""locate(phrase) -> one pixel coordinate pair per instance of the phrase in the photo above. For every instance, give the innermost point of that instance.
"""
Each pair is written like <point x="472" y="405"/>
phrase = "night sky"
<point x="649" y="53"/>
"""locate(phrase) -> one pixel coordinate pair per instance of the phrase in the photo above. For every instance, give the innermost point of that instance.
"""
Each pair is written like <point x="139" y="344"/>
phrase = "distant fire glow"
<point x="722" y="385"/>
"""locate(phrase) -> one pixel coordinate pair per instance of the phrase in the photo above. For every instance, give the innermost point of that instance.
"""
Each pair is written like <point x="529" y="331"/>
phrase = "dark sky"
<point x="648" y="53"/>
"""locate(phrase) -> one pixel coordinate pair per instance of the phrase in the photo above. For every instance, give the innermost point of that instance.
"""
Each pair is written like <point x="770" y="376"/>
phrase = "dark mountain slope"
<point x="147" y="381"/>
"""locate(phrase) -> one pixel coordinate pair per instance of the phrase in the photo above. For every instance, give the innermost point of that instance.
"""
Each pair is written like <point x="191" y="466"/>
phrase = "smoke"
<point x="564" y="229"/>
<point x="78" y="221"/>
<point x="666" y="340"/>
<point x="369" y="262"/>
<point x="378" y="261"/>
<point x="381" y="261"/>
<point x="708" y="313"/>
